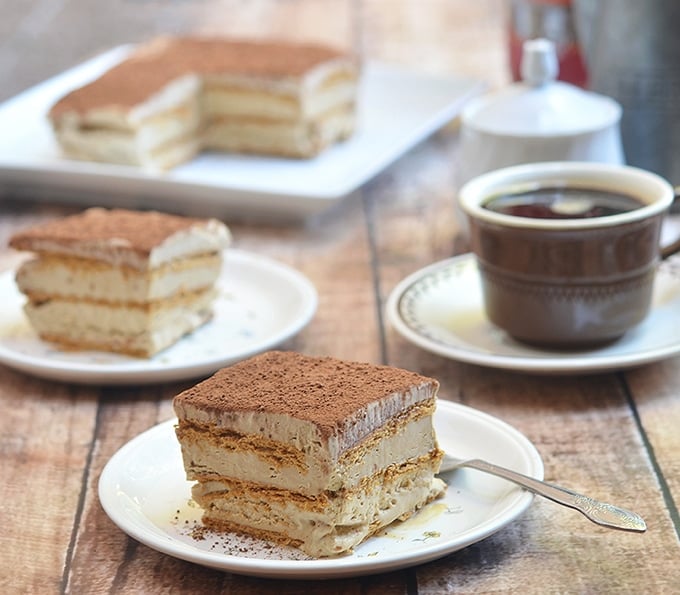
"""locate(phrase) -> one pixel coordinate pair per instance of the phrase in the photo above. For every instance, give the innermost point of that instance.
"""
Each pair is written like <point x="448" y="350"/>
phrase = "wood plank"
<point x="654" y="390"/>
<point x="45" y="440"/>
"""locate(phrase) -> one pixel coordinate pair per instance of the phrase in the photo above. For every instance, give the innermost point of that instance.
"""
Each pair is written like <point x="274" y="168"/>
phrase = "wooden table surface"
<point x="615" y="436"/>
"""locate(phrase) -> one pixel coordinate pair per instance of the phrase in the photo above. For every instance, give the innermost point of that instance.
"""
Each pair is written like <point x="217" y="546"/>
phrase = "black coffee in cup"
<point x="557" y="202"/>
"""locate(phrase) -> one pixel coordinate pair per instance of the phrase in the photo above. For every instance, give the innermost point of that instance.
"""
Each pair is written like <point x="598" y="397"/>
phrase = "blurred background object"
<point x="549" y="19"/>
<point x="632" y="50"/>
<point x="538" y="119"/>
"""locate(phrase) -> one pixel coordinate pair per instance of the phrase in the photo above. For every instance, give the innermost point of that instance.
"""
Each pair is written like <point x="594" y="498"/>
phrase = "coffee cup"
<point x="567" y="251"/>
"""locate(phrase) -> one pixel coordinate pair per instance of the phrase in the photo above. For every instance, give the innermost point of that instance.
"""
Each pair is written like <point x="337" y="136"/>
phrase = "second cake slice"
<point x="122" y="281"/>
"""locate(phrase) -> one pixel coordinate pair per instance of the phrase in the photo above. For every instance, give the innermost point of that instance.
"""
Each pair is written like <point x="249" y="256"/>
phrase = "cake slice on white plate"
<point x="313" y="452"/>
<point x="131" y="282"/>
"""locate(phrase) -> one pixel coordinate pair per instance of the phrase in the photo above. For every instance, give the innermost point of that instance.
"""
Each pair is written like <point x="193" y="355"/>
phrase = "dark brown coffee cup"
<point x="572" y="281"/>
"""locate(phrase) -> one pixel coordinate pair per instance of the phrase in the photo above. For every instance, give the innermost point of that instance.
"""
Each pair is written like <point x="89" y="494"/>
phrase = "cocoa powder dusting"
<point x="140" y="231"/>
<point x="162" y="60"/>
<point x="321" y="390"/>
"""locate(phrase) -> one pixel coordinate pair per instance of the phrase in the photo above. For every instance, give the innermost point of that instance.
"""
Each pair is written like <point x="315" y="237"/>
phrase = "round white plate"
<point x="261" y="303"/>
<point x="440" y="308"/>
<point x="144" y="491"/>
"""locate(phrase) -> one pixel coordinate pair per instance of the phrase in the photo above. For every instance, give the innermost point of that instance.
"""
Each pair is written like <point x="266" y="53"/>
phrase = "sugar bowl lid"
<point x="540" y="105"/>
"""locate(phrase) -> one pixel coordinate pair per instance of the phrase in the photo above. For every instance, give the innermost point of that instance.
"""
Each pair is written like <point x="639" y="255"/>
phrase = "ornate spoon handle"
<point x="598" y="512"/>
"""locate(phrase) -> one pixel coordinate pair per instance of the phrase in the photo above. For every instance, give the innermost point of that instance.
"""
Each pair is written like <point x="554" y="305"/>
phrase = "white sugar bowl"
<point x="538" y="119"/>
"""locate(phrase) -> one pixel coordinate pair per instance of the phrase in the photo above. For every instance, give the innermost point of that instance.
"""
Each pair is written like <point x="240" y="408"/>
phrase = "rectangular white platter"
<point x="397" y="110"/>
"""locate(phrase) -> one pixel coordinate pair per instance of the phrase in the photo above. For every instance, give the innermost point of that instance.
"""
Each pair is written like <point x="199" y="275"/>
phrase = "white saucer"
<point x="440" y="308"/>
<point x="261" y="303"/>
<point x="143" y="490"/>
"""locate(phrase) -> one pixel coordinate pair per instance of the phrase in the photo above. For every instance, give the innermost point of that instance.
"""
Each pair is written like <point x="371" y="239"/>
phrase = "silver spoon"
<point x="598" y="512"/>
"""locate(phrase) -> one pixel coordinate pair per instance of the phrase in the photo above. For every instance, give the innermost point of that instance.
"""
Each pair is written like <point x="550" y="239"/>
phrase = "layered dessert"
<point x="174" y="97"/>
<point x="118" y="280"/>
<point x="313" y="452"/>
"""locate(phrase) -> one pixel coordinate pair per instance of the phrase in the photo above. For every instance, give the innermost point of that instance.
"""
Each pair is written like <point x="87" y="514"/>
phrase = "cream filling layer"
<point x="107" y="146"/>
<point x="304" y="436"/>
<point x="48" y="276"/>
<point x="296" y="139"/>
<point x="166" y="126"/>
<point x="331" y="525"/>
<point x="224" y="101"/>
<point x="166" y="142"/>
<point x="310" y="470"/>
<point x="127" y="328"/>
